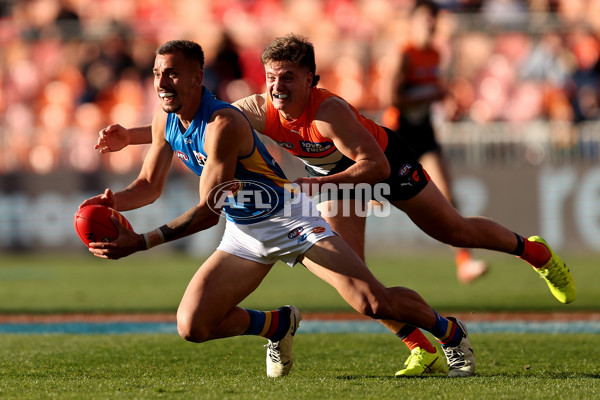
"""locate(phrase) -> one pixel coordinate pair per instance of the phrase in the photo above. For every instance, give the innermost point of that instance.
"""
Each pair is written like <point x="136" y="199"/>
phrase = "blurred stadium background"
<point x="520" y="129"/>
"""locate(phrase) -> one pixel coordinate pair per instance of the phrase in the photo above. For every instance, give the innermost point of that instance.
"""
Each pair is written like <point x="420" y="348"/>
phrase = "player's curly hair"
<point x="293" y="48"/>
<point x="191" y="50"/>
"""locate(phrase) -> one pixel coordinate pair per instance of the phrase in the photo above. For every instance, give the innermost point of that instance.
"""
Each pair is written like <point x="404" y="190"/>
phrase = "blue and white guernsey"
<point x="260" y="187"/>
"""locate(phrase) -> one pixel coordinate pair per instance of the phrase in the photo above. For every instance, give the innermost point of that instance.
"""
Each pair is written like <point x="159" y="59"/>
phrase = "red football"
<point x="93" y="224"/>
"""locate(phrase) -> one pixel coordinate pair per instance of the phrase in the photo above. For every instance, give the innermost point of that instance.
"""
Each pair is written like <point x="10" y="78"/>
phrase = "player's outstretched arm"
<point x="115" y="137"/>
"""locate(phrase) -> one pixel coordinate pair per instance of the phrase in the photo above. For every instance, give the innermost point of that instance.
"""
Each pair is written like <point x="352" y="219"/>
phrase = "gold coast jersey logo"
<point x="200" y="158"/>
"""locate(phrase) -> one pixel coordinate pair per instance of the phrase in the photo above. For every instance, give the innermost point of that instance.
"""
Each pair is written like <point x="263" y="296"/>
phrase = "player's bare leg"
<point x="209" y="309"/>
<point x="352" y="229"/>
<point x="333" y="261"/>
<point x="435" y="216"/>
<point x="431" y="212"/>
<point x="468" y="268"/>
<point x="349" y="226"/>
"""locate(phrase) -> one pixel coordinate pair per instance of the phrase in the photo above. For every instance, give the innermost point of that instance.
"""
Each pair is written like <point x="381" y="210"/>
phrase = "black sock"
<point x="405" y="331"/>
<point x="520" y="245"/>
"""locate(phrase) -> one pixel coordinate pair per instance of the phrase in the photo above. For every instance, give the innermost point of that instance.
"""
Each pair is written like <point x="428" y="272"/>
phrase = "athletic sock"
<point x="270" y="324"/>
<point x="447" y="331"/>
<point x="413" y="337"/>
<point x="534" y="253"/>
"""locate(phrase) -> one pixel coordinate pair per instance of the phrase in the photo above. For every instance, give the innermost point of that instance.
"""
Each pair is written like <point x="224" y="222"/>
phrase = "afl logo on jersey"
<point x="294" y="233"/>
<point x="405" y="169"/>
<point x="286" y="145"/>
<point x="243" y="200"/>
<point x="183" y="156"/>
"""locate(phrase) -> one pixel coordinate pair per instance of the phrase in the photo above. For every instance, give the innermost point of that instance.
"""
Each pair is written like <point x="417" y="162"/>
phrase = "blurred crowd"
<point x="68" y="68"/>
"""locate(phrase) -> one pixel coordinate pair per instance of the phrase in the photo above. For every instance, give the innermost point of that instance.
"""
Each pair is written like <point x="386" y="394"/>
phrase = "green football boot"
<point x="557" y="275"/>
<point x="421" y="362"/>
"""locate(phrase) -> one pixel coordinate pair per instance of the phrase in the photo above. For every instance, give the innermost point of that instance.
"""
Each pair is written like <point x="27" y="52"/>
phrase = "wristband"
<point x="153" y="238"/>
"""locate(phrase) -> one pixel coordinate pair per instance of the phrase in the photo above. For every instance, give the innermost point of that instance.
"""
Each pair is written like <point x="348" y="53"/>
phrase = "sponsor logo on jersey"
<point x="286" y="145"/>
<point x="415" y="176"/>
<point x="201" y="158"/>
<point x="294" y="233"/>
<point x="318" y="229"/>
<point x="183" y="156"/>
<point x="405" y="169"/>
<point x="302" y="238"/>
<point x="312" y="147"/>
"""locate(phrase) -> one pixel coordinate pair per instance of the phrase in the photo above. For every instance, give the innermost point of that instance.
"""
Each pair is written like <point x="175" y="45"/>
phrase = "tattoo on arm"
<point x="182" y="223"/>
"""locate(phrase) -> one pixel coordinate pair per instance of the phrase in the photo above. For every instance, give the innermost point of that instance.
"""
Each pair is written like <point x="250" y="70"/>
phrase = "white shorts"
<point x="285" y="236"/>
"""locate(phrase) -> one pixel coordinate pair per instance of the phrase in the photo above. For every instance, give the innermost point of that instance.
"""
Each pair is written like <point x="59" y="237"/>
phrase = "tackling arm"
<point x="148" y="186"/>
<point x="336" y="121"/>
<point x="115" y="137"/>
<point x="149" y="183"/>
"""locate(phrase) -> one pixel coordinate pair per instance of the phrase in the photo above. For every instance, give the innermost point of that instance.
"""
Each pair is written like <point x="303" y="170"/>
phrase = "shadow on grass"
<point x="537" y="375"/>
<point x="388" y="377"/>
<point x="545" y="375"/>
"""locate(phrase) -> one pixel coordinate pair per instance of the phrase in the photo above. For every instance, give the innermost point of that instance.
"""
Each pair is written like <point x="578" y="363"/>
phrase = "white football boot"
<point x="279" y="354"/>
<point x="461" y="359"/>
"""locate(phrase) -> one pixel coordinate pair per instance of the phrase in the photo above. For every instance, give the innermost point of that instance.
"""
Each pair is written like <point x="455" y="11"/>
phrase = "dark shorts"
<point x="406" y="180"/>
<point x="421" y="136"/>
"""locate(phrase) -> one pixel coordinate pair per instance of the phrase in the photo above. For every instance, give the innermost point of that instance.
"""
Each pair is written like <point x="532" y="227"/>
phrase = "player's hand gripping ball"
<point x="93" y="224"/>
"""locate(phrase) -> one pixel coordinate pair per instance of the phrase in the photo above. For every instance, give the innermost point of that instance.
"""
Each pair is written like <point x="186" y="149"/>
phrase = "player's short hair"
<point x="293" y="48"/>
<point x="191" y="50"/>
<point x="430" y="5"/>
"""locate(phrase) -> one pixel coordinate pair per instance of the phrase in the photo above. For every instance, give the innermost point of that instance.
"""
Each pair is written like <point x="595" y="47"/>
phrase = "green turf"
<point x="155" y="281"/>
<point x="327" y="366"/>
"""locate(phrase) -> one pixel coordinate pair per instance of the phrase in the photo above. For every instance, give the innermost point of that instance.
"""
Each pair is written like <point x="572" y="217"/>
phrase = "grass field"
<point x="155" y="282"/>
<point x="327" y="366"/>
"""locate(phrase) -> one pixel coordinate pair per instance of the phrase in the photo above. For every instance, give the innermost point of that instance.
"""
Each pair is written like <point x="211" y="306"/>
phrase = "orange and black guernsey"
<point x="422" y="66"/>
<point x="302" y="138"/>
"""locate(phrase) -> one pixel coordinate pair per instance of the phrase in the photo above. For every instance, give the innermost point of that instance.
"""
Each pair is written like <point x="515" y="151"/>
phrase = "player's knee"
<point x="190" y="331"/>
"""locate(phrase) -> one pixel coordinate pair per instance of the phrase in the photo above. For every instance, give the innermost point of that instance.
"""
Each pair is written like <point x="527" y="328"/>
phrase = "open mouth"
<point x="280" y="96"/>
<point x="166" y="96"/>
